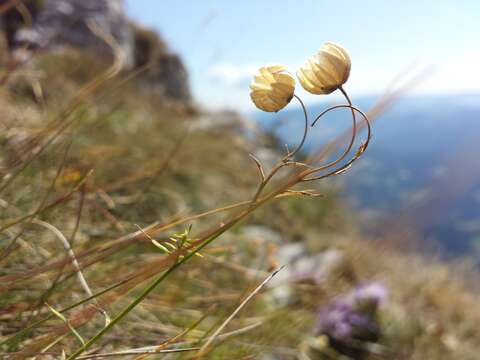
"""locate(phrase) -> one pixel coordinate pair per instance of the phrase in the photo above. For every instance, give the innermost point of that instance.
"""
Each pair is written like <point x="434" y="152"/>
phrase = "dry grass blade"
<point x="217" y="332"/>
<point x="138" y="352"/>
<point x="259" y="166"/>
<point x="5" y="252"/>
<point x="60" y="123"/>
<point x="76" y="265"/>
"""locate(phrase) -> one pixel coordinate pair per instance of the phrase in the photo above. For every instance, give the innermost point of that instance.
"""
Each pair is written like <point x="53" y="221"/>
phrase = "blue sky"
<point x="223" y="42"/>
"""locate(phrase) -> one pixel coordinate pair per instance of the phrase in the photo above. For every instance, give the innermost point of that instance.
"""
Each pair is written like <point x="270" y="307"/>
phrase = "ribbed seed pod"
<point x="325" y="71"/>
<point x="272" y="88"/>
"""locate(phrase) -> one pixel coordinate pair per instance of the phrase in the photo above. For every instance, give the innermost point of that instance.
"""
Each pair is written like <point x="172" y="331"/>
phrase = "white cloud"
<point x="232" y="75"/>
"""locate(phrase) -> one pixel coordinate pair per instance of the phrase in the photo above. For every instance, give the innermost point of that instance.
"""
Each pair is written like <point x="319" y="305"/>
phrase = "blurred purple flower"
<point x="353" y="317"/>
<point x="373" y="292"/>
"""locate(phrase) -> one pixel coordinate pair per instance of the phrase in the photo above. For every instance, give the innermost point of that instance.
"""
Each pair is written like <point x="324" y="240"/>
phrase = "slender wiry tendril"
<point x="361" y="149"/>
<point x="287" y="160"/>
<point x="354" y="132"/>
<point x="305" y="131"/>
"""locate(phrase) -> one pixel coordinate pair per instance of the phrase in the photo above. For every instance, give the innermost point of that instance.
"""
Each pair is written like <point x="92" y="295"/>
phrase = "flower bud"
<point x="325" y="71"/>
<point x="272" y="88"/>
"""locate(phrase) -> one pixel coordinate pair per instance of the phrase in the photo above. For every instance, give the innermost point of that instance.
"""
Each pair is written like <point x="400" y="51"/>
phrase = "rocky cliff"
<point x="50" y="24"/>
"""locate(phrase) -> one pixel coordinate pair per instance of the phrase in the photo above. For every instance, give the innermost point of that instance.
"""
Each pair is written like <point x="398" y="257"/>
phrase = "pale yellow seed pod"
<point x="272" y="88"/>
<point x="325" y="71"/>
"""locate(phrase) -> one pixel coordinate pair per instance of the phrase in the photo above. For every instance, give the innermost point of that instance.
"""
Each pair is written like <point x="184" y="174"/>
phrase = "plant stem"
<point x="149" y="289"/>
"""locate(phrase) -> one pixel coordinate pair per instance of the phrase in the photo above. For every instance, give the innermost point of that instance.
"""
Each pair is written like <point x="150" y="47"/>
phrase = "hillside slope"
<point x="88" y="166"/>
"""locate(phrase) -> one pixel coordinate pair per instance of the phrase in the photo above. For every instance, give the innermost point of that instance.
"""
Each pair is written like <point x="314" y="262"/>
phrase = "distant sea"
<point x="422" y="168"/>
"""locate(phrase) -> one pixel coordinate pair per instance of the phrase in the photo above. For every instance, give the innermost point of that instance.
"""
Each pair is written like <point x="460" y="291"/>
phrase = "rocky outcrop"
<point x="47" y="24"/>
<point x="70" y="22"/>
<point x="162" y="71"/>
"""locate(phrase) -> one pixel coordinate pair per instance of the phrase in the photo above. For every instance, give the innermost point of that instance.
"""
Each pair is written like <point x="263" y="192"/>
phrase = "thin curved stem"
<point x="354" y="130"/>
<point x="357" y="155"/>
<point x="286" y="160"/>
<point x="305" y="130"/>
